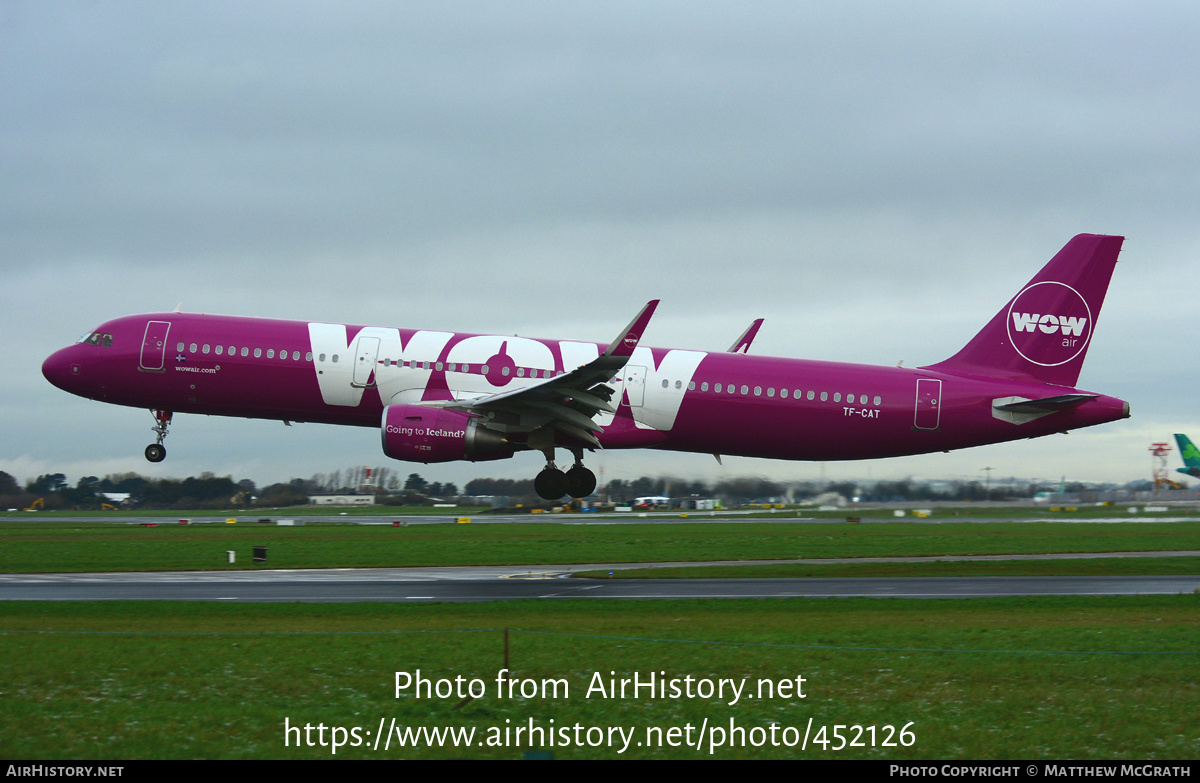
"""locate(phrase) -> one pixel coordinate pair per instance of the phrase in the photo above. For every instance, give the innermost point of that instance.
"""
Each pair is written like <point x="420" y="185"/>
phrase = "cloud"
<point x="874" y="180"/>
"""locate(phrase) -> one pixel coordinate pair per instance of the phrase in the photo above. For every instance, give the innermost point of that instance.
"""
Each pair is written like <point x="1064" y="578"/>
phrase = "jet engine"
<point x="414" y="433"/>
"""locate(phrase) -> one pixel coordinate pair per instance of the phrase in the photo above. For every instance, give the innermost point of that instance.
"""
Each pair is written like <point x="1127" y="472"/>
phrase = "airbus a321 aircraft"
<point x="443" y="396"/>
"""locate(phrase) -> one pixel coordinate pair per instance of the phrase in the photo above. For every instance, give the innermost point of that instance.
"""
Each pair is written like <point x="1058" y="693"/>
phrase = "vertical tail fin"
<point x="1188" y="450"/>
<point x="1043" y="333"/>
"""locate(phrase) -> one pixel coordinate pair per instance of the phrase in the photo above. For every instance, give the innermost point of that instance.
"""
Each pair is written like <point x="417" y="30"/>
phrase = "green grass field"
<point x="72" y="546"/>
<point x="1046" y="678"/>
<point x="1020" y="678"/>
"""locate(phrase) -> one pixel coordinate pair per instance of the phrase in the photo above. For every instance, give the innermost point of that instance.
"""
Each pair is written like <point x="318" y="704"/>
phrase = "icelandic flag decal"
<point x="180" y="358"/>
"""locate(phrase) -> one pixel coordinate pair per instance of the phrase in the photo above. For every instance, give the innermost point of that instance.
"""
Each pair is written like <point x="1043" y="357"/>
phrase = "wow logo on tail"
<point x="1049" y="323"/>
<point x="1043" y="333"/>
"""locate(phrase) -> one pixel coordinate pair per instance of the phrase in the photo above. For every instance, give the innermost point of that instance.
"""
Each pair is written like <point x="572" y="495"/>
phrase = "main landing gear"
<point x="156" y="452"/>
<point x="552" y="483"/>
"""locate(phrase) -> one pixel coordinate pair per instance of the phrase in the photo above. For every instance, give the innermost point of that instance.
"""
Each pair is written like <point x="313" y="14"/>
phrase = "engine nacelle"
<point x="414" y="433"/>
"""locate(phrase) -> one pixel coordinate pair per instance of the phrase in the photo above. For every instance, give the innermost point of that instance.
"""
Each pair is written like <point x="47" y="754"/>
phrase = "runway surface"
<point x="502" y="583"/>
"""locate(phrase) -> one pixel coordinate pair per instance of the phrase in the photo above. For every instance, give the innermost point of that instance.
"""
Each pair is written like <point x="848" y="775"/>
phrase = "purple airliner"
<point x="443" y="396"/>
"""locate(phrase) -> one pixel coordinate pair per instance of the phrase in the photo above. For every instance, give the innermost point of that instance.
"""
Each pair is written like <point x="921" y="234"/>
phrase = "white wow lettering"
<point x="1049" y="324"/>
<point x="401" y="371"/>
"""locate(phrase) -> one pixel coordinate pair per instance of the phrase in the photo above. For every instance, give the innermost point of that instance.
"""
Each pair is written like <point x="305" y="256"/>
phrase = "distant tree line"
<point x="209" y="491"/>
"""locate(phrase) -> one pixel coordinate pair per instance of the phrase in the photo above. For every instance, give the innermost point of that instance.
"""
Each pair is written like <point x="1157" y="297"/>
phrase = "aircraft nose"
<point x="59" y="368"/>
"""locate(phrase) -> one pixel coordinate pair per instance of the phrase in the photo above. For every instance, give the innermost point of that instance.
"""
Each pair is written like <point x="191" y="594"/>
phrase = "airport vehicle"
<point x="1190" y="454"/>
<point x="439" y="396"/>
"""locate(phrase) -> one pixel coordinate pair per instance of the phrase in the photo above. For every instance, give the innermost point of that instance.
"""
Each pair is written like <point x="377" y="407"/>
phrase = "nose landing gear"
<point x="156" y="452"/>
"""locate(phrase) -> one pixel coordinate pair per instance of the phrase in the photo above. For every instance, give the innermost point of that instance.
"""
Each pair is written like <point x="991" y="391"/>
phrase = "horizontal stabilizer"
<point x="1019" y="410"/>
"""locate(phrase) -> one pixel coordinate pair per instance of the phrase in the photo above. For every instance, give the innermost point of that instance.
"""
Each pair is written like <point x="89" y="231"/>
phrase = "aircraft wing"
<point x="566" y="402"/>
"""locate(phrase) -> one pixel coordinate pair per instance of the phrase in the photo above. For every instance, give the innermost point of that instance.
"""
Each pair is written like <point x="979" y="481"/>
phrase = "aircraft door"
<point x="154" y="347"/>
<point x="365" y="358"/>
<point x="929" y="404"/>
<point x="635" y="384"/>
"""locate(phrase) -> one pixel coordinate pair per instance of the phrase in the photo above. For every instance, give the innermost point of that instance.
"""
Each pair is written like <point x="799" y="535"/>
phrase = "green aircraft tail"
<point x="1188" y="450"/>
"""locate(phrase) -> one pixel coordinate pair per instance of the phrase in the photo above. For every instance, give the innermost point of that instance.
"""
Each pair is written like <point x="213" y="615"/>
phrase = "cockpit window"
<point x="97" y="338"/>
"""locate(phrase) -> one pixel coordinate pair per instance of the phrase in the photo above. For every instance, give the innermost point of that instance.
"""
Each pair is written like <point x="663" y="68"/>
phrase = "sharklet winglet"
<point x="629" y="338"/>
<point x="742" y="344"/>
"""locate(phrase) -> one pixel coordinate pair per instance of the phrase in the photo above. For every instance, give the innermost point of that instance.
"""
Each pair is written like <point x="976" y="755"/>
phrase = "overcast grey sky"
<point x="874" y="179"/>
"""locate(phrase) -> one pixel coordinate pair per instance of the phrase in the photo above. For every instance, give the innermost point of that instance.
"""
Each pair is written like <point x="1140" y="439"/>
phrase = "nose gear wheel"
<point x="157" y="452"/>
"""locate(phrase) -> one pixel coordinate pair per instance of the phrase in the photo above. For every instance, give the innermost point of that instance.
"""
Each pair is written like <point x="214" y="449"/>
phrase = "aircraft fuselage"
<point x="676" y="399"/>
